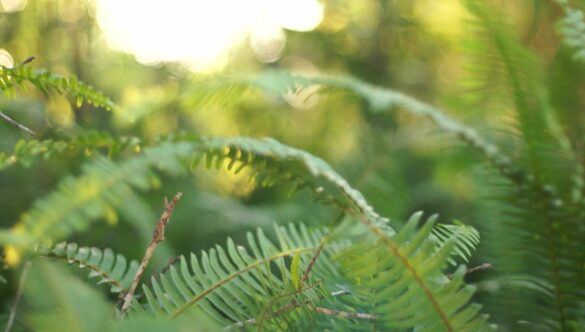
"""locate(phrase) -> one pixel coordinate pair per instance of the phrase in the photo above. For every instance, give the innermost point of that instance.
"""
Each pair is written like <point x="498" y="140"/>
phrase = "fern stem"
<point x="396" y="250"/>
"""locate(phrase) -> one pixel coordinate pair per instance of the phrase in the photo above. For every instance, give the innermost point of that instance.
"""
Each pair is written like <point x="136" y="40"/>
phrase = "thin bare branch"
<point x="314" y="259"/>
<point x="343" y="314"/>
<point x="21" y="283"/>
<point x="294" y="304"/>
<point x="157" y="237"/>
<point x="479" y="268"/>
<point x="16" y="124"/>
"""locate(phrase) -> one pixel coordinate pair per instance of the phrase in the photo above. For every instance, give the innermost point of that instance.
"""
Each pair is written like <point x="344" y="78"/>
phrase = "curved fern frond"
<point x="379" y="100"/>
<point x="103" y="184"/>
<point x="27" y="152"/>
<point x="237" y="285"/>
<point x="44" y="80"/>
<point x="402" y="276"/>
<point x="464" y="238"/>
<point x="284" y="163"/>
<point x="109" y="268"/>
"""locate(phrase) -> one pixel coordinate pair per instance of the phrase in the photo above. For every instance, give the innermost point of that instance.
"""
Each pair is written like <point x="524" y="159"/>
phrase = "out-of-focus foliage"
<point x="502" y="150"/>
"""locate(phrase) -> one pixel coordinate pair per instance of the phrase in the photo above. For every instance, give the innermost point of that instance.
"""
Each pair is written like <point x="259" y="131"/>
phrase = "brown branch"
<point x="16" y="124"/>
<point x="157" y="237"/>
<point x="479" y="268"/>
<point x="294" y="304"/>
<point x="21" y="282"/>
<point x="343" y="314"/>
<point x="170" y="263"/>
<point x="313" y="260"/>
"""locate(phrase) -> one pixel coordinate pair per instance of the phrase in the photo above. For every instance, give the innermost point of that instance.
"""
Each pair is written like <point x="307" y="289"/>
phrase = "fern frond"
<point x="379" y="100"/>
<point x="400" y="276"/>
<point x="101" y="187"/>
<point x="27" y="152"/>
<point x="464" y="238"/>
<point x="287" y="164"/>
<point x="238" y="285"/>
<point x="540" y="232"/>
<point x="103" y="184"/>
<point x="572" y="29"/>
<point x="108" y="267"/>
<point x="44" y="80"/>
<point x="544" y="140"/>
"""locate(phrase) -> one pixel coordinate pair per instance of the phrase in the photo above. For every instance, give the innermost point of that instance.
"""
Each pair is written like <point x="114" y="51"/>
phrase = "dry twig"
<point x="157" y="237"/>
<point x="16" y="124"/>
<point x="479" y="268"/>
<point x="313" y="260"/>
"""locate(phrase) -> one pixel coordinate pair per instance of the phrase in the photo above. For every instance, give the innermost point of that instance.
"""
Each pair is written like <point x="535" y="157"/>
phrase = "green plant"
<point x="357" y="270"/>
<point x="261" y="289"/>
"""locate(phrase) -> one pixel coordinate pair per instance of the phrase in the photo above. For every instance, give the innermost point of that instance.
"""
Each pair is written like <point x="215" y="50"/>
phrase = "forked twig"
<point x="479" y="268"/>
<point x="16" y="124"/>
<point x="21" y="282"/>
<point x="157" y="237"/>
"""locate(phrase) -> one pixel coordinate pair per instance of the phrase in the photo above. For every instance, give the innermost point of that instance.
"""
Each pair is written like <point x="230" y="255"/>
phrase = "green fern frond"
<point x="379" y="100"/>
<point x="289" y="165"/>
<point x="545" y="144"/>
<point x="44" y="80"/>
<point x="103" y="184"/>
<point x="108" y="267"/>
<point x="463" y="237"/>
<point x="400" y="277"/>
<point x="540" y="228"/>
<point x="94" y="194"/>
<point x="237" y="285"/>
<point x="545" y="242"/>
<point x="572" y="29"/>
<point x="27" y="152"/>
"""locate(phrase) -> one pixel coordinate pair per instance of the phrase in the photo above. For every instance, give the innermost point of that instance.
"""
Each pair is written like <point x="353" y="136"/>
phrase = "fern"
<point x="103" y="184"/>
<point x="538" y="230"/>
<point x="27" y="152"/>
<point x="235" y="286"/>
<point x="108" y="267"/>
<point x="572" y="29"/>
<point x="402" y="276"/>
<point x="222" y="90"/>
<point x="464" y="237"/>
<point x="44" y="80"/>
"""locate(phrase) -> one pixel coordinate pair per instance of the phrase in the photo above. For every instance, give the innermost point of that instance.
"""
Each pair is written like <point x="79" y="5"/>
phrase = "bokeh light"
<point x="11" y="6"/>
<point x="6" y="59"/>
<point x="201" y="34"/>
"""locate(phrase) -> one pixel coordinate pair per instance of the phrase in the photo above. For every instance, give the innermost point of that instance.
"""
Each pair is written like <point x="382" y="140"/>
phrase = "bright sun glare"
<point x="201" y="33"/>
